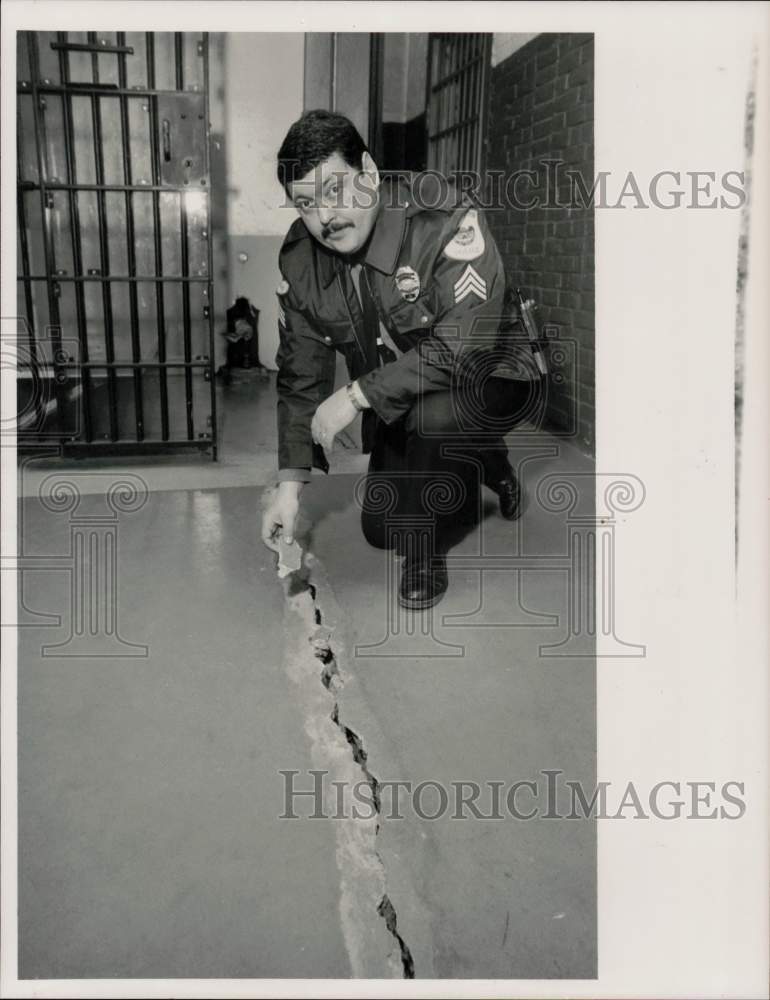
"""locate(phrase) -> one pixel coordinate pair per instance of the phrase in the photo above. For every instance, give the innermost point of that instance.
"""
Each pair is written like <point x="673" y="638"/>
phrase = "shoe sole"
<point x="419" y="605"/>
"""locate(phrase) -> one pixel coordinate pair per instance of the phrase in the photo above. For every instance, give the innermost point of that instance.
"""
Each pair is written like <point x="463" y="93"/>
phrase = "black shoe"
<point x="423" y="583"/>
<point x="511" y="497"/>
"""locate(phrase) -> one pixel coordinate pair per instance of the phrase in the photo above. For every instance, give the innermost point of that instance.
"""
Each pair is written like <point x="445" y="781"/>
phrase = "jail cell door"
<point x="116" y="346"/>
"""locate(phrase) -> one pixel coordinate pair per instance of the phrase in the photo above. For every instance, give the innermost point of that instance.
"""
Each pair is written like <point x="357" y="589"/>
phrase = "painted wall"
<point x="251" y="217"/>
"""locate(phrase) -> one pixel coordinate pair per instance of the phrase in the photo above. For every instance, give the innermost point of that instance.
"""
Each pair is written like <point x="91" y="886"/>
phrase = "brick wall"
<point x="541" y="107"/>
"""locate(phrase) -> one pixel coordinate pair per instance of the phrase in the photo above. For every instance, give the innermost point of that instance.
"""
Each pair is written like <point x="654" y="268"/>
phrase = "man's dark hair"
<point x="312" y="139"/>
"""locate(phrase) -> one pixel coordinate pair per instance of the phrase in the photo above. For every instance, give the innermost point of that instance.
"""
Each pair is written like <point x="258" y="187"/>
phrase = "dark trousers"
<point x="426" y="469"/>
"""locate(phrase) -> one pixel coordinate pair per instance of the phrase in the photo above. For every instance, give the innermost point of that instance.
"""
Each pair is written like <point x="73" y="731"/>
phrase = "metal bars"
<point x="125" y="219"/>
<point x="457" y="85"/>
<point x="77" y="256"/>
<point x="103" y="89"/>
<point x="104" y="250"/>
<point x="178" y="61"/>
<point x="91" y="47"/>
<point x="25" y="275"/>
<point x="160" y="308"/>
<point x="52" y="288"/>
<point x="130" y="240"/>
<point x="208" y="292"/>
<point x="186" y="312"/>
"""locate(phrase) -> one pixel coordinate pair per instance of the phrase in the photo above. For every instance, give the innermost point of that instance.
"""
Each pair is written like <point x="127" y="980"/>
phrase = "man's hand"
<point x="280" y="514"/>
<point x="331" y="417"/>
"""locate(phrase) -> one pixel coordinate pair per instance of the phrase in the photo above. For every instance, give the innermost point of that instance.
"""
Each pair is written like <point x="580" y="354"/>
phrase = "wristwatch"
<point x="355" y="396"/>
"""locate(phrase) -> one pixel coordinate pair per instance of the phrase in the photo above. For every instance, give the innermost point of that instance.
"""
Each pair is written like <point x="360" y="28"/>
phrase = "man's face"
<point x="338" y="203"/>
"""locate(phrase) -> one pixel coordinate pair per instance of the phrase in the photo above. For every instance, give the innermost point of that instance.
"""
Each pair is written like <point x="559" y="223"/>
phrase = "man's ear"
<point x="369" y="167"/>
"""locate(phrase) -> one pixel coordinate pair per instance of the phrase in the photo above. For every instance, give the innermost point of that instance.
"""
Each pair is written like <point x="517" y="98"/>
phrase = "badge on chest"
<point x="408" y="283"/>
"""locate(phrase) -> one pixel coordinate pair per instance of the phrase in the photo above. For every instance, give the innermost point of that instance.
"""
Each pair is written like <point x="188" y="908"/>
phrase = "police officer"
<point x="403" y="277"/>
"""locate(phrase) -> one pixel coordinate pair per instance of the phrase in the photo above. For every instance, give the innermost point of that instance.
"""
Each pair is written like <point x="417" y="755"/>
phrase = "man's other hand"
<point x="331" y="417"/>
<point x="280" y="515"/>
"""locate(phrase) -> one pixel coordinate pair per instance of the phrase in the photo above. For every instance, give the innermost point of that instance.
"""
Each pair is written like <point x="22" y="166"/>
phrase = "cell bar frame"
<point x="62" y="366"/>
<point x="52" y="287"/>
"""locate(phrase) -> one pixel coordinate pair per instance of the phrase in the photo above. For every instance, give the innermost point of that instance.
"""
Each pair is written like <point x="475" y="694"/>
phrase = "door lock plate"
<point x="182" y="139"/>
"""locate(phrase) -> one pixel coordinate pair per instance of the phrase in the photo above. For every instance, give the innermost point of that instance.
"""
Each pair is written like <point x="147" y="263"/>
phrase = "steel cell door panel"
<point x="181" y="118"/>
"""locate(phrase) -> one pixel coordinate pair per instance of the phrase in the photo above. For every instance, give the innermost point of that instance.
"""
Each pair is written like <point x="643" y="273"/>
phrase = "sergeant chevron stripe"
<point x="470" y="282"/>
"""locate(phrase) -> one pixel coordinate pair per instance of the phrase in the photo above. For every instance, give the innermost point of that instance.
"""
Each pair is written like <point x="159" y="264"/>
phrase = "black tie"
<point x="372" y="319"/>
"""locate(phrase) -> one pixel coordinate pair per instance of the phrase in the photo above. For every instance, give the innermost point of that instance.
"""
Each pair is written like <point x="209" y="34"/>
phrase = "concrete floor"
<point x="150" y="786"/>
<point x="149" y="793"/>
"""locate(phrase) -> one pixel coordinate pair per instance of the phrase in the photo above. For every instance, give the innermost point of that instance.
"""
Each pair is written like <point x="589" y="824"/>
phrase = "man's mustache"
<point x="334" y="227"/>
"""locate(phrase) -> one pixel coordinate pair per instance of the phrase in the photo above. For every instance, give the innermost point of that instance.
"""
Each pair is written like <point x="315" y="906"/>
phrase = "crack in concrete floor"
<point x="369" y="920"/>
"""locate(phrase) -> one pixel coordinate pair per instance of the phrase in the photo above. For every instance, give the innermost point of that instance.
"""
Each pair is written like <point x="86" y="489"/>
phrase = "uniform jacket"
<point x="438" y="283"/>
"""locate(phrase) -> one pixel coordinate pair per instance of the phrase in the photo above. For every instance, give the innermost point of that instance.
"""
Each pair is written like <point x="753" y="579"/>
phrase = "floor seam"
<point x="361" y="860"/>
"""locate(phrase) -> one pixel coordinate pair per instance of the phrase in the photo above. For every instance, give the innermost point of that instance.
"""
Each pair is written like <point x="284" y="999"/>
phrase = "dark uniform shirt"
<point x="438" y="283"/>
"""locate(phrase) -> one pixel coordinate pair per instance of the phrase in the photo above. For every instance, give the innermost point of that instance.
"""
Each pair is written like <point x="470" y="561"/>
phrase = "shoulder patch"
<point x="468" y="242"/>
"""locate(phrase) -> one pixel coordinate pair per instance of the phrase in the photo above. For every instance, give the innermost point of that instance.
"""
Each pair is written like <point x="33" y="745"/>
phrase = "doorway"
<point x="428" y="97"/>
